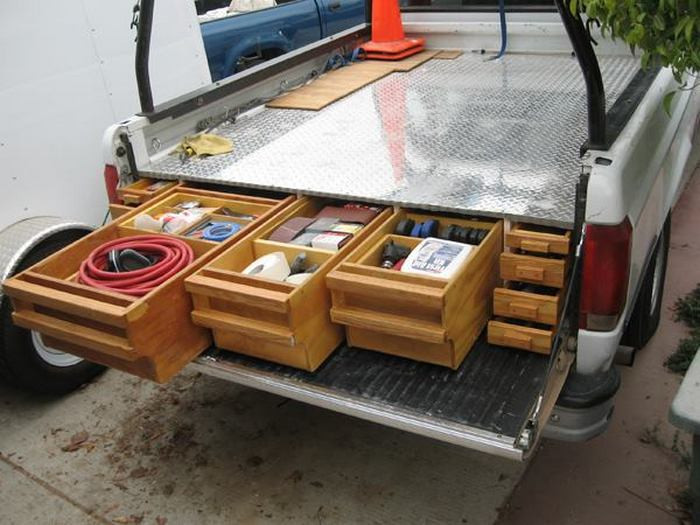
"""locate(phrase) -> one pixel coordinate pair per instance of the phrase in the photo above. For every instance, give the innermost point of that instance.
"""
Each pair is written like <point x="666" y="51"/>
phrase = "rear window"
<point x="476" y="5"/>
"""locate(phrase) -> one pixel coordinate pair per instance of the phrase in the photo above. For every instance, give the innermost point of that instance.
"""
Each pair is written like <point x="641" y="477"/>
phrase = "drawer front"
<point x="535" y="270"/>
<point x="530" y="240"/>
<point x="527" y="306"/>
<point x="521" y="337"/>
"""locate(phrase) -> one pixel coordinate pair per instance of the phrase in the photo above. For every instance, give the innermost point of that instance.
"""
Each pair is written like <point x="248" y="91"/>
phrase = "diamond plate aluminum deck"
<point x="497" y="138"/>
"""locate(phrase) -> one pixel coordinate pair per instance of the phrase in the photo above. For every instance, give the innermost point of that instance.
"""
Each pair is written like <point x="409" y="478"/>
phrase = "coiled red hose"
<point x="173" y="255"/>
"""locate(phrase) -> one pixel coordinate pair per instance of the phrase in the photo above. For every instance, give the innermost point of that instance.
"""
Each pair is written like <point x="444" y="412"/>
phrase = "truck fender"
<point x="248" y="46"/>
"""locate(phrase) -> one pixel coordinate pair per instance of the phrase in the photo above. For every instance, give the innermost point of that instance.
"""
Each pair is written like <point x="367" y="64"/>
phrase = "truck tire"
<point x="647" y="311"/>
<point x="24" y="359"/>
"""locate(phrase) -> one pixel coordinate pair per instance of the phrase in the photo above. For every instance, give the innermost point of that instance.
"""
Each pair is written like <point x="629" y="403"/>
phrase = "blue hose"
<point x="504" y="29"/>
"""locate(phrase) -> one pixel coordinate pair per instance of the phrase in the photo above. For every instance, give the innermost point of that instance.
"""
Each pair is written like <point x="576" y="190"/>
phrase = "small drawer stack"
<point x="535" y="271"/>
<point x="273" y="320"/>
<point x="151" y="336"/>
<point x="419" y="317"/>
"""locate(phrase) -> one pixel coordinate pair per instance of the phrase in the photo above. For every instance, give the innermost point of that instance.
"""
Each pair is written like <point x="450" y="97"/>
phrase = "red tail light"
<point x="111" y="183"/>
<point x="606" y="267"/>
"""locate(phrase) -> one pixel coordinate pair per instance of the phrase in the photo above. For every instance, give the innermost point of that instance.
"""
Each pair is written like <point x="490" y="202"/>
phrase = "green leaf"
<point x="668" y="99"/>
<point x="689" y="30"/>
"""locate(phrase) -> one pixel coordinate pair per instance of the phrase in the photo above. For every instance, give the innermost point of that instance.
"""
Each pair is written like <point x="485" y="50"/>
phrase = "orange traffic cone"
<point x="388" y="39"/>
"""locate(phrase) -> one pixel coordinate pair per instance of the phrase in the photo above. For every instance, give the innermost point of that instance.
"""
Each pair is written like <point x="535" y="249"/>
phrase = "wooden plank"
<point x="412" y="62"/>
<point x="239" y="293"/>
<point x="398" y="292"/>
<point x="341" y="82"/>
<point x="448" y="54"/>
<point x="72" y="332"/>
<point x="330" y="87"/>
<point x="67" y="302"/>
<point x="248" y="327"/>
<point x="389" y="324"/>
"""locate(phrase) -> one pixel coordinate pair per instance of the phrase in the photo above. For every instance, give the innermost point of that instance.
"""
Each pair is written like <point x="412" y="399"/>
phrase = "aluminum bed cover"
<point x="497" y="138"/>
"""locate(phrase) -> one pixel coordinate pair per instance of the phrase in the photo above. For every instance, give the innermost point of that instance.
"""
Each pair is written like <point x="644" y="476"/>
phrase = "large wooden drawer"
<point x="531" y="338"/>
<point x="541" y="305"/>
<point x="544" y="271"/>
<point x="419" y="317"/>
<point x="273" y="320"/>
<point x="539" y="239"/>
<point x="150" y="336"/>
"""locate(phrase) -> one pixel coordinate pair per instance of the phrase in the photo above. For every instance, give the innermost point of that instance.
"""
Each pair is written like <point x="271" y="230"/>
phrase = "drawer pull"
<point x="532" y="273"/>
<point x="517" y="340"/>
<point x="521" y="309"/>
<point x="531" y="245"/>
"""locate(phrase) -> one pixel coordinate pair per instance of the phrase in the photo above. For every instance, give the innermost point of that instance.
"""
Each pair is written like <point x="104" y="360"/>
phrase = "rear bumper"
<point x="584" y="407"/>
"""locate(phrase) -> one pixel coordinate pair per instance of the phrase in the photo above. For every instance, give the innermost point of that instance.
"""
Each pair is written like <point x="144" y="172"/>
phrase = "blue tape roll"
<point x="220" y="231"/>
<point x="415" y="232"/>
<point x="429" y="228"/>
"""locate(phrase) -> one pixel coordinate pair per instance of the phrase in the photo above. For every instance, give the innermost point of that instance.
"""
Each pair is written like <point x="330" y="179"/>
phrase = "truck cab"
<point x="245" y="34"/>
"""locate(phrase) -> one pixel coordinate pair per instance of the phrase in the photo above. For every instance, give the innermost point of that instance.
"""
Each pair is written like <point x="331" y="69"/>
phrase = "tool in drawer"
<point x="431" y="227"/>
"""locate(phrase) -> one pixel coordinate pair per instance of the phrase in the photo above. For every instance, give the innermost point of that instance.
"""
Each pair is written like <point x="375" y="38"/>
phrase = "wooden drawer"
<point x="539" y="239"/>
<point x="529" y="303"/>
<point x="150" y="336"/>
<point x="544" y="271"/>
<point x="272" y="320"/>
<point x="419" y="317"/>
<point x="143" y="190"/>
<point x="519" y="336"/>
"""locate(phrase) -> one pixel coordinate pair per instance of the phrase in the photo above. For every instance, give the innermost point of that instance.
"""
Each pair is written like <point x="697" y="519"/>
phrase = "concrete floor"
<point x="204" y="451"/>
<point x="200" y="450"/>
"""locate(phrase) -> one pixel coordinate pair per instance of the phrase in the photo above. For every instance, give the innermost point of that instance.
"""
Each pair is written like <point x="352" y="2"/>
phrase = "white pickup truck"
<point x="554" y="134"/>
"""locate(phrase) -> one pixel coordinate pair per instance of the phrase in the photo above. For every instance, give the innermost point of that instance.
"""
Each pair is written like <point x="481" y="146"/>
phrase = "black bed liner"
<point x="494" y="390"/>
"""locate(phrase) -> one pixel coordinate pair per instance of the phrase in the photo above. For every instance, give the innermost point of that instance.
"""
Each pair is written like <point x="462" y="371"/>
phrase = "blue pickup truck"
<point x="237" y="40"/>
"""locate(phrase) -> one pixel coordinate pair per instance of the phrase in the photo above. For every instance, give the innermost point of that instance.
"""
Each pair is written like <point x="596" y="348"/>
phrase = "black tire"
<point x="20" y="363"/>
<point x="647" y="311"/>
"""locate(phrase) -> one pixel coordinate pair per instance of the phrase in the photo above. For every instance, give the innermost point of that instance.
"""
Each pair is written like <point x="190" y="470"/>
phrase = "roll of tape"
<point x="271" y="266"/>
<point x="299" y="278"/>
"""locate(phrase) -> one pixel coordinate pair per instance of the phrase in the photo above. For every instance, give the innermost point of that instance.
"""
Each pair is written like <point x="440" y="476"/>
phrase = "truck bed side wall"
<point x="651" y="161"/>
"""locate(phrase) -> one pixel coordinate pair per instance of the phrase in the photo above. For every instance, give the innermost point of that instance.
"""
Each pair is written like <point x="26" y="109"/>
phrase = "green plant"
<point x="687" y="311"/>
<point x="667" y="32"/>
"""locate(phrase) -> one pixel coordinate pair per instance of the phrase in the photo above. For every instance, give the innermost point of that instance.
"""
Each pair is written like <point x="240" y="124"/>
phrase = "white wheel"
<point x="51" y="355"/>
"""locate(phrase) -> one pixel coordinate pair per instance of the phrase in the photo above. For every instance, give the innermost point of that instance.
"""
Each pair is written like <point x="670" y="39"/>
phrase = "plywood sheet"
<point x="339" y="83"/>
<point x="448" y="54"/>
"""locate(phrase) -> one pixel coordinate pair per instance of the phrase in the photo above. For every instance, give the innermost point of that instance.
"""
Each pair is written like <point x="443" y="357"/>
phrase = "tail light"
<point x="606" y="267"/>
<point x="111" y="183"/>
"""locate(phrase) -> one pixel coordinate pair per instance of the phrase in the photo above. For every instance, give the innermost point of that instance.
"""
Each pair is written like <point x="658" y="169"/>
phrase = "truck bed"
<point x="483" y="405"/>
<point x="495" y="138"/>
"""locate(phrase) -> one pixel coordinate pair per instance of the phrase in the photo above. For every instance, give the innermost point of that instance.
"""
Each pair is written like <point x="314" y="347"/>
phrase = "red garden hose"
<point x="173" y="255"/>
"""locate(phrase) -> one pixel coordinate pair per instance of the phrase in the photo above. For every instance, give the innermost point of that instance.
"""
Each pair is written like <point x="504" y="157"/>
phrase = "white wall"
<point x="66" y="73"/>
